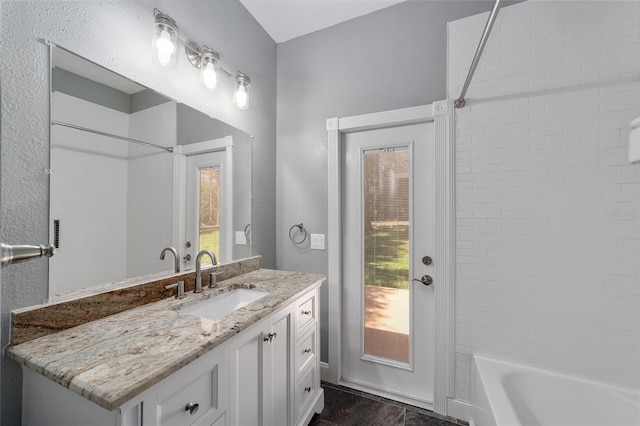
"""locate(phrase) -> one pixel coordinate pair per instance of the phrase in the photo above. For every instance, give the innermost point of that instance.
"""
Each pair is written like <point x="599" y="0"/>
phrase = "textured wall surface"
<point x="548" y="208"/>
<point x="393" y="58"/>
<point x="115" y="34"/>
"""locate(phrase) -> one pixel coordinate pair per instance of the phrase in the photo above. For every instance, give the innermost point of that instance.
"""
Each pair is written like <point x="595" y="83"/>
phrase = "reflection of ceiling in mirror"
<point x="80" y="66"/>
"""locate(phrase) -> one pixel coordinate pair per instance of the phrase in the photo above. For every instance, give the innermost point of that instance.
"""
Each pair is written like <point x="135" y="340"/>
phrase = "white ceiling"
<point x="287" y="19"/>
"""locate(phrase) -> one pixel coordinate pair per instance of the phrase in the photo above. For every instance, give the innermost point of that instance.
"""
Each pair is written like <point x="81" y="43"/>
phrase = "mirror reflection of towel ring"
<point x="302" y="229"/>
<point x="247" y="232"/>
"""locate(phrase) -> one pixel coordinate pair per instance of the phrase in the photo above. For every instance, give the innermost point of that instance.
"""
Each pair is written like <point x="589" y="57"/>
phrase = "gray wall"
<point x="393" y="58"/>
<point x="115" y="34"/>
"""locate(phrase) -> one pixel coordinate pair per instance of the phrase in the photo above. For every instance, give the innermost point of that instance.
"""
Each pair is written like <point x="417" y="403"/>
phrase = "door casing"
<point x="441" y="114"/>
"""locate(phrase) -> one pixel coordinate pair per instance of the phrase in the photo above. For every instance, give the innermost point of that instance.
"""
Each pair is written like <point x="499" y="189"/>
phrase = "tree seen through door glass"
<point x="209" y="212"/>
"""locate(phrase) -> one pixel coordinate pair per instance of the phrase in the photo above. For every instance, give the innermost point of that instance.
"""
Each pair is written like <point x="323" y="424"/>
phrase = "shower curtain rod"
<point x="98" y="132"/>
<point x="459" y="103"/>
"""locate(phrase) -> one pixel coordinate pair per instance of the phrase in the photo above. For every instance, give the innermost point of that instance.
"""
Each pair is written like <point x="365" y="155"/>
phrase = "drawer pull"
<point x="306" y="312"/>
<point x="269" y="337"/>
<point x="307" y="351"/>
<point x="307" y="389"/>
<point x="192" y="408"/>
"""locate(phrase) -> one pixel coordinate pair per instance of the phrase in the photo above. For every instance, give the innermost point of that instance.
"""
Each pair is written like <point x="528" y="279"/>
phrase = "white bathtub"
<point x="509" y="394"/>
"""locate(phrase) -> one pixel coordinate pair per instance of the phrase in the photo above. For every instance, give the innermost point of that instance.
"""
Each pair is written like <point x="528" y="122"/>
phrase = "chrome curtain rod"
<point x="110" y="135"/>
<point x="459" y="103"/>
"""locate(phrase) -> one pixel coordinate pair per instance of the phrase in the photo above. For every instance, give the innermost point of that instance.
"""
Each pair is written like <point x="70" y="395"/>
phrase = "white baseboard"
<point x="460" y="409"/>
<point x="324" y="372"/>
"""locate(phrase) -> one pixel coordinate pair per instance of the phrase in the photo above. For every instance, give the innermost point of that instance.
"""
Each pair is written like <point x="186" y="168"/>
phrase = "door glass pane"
<point x="209" y="212"/>
<point x="385" y="180"/>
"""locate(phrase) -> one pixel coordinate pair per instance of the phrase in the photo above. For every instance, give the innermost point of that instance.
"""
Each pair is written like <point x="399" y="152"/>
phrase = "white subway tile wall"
<point x="548" y="208"/>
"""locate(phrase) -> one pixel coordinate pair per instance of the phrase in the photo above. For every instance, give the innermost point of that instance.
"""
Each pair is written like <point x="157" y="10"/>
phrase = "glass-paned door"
<point x="388" y="222"/>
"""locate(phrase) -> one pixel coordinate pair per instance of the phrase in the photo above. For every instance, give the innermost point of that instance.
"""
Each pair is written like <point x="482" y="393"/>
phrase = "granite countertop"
<point x="112" y="360"/>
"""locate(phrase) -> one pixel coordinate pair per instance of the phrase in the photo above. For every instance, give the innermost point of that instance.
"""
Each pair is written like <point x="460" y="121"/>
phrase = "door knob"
<point x="192" y="408"/>
<point x="426" y="280"/>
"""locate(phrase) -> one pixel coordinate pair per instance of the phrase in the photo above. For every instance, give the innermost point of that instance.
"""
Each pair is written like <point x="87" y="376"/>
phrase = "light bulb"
<point x="165" y="44"/>
<point x="163" y="58"/>
<point x="241" y="96"/>
<point x="164" y="47"/>
<point x="209" y="76"/>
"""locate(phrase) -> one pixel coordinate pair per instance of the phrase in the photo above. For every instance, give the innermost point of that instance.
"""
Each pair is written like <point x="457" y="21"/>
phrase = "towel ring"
<point x="247" y="232"/>
<point x="301" y="228"/>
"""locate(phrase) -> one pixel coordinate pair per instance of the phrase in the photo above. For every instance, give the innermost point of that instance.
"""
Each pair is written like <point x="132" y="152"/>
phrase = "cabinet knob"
<point x="269" y="337"/>
<point x="306" y="312"/>
<point x="192" y="408"/>
<point x="307" y="351"/>
<point x="307" y="389"/>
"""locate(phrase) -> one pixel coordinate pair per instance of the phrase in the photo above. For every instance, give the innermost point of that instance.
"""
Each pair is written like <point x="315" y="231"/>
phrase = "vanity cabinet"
<point x="268" y="374"/>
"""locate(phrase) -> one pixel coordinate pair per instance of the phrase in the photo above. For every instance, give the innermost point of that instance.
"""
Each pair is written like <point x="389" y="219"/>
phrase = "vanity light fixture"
<point x="165" y="38"/>
<point x="242" y="92"/>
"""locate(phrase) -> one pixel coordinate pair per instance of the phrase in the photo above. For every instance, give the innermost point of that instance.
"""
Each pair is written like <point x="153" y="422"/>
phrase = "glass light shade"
<point x="165" y="38"/>
<point x="210" y="70"/>
<point x="242" y="93"/>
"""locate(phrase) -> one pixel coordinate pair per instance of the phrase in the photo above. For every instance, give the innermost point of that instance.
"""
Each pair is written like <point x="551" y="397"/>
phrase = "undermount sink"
<point x="224" y="304"/>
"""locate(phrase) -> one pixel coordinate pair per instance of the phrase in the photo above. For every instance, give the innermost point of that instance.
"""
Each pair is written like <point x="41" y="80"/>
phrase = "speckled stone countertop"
<point x="112" y="360"/>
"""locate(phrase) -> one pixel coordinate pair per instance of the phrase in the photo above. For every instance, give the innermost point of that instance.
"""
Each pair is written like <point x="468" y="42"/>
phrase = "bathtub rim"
<point x="507" y="414"/>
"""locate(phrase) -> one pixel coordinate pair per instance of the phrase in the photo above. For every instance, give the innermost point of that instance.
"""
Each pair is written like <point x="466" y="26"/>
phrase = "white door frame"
<point x="181" y="152"/>
<point x="440" y="113"/>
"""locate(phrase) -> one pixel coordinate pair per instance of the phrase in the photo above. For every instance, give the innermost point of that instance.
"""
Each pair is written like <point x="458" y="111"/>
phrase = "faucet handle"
<point x="213" y="279"/>
<point x="180" y="286"/>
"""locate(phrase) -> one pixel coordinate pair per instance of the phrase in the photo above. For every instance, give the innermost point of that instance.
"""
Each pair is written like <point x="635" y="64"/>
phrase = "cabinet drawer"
<point x="305" y="313"/>
<point x="305" y="351"/>
<point x="306" y="389"/>
<point x="201" y="383"/>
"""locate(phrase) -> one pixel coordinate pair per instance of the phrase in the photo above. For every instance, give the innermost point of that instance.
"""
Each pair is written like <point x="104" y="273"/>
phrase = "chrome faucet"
<point x="214" y="261"/>
<point x="175" y="255"/>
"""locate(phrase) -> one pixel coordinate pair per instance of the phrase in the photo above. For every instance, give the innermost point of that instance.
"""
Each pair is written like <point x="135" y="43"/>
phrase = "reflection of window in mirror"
<point x="209" y="201"/>
<point x="209" y="210"/>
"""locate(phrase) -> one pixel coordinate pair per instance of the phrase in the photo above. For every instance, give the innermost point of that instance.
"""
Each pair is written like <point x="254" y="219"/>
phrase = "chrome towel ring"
<point x="301" y="229"/>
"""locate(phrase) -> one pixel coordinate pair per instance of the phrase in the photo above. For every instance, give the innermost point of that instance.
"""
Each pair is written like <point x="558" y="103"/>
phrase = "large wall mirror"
<point x="133" y="172"/>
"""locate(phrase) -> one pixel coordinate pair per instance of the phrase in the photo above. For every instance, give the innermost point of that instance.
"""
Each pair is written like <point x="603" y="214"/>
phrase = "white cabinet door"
<point x="260" y="368"/>
<point x="277" y="372"/>
<point x="245" y="378"/>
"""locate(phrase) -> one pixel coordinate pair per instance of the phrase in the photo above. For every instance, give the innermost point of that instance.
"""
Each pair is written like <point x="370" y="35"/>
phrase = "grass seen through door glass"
<point x="210" y="239"/>
<point x="386" y="262"/>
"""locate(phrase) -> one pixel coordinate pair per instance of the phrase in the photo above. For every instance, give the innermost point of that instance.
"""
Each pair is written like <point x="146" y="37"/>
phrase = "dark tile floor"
<point x="348" y="407"/>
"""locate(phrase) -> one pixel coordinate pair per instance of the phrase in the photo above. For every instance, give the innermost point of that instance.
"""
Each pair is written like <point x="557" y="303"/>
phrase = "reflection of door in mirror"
<point x="209" y="208"/>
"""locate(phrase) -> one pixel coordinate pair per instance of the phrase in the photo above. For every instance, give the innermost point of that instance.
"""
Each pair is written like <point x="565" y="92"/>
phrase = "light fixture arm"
<point x="195" y="52"/>
<point x="203" y="58"/>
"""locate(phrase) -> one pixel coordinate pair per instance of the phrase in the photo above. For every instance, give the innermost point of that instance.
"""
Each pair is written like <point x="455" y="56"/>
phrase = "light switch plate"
<point x="317" y="241"/>
<point x="241" y="238"/>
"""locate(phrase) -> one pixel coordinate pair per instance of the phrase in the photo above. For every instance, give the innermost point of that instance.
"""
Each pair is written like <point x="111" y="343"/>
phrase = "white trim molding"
<point x="440" y="113"/>
<point x="445" y="255"/>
